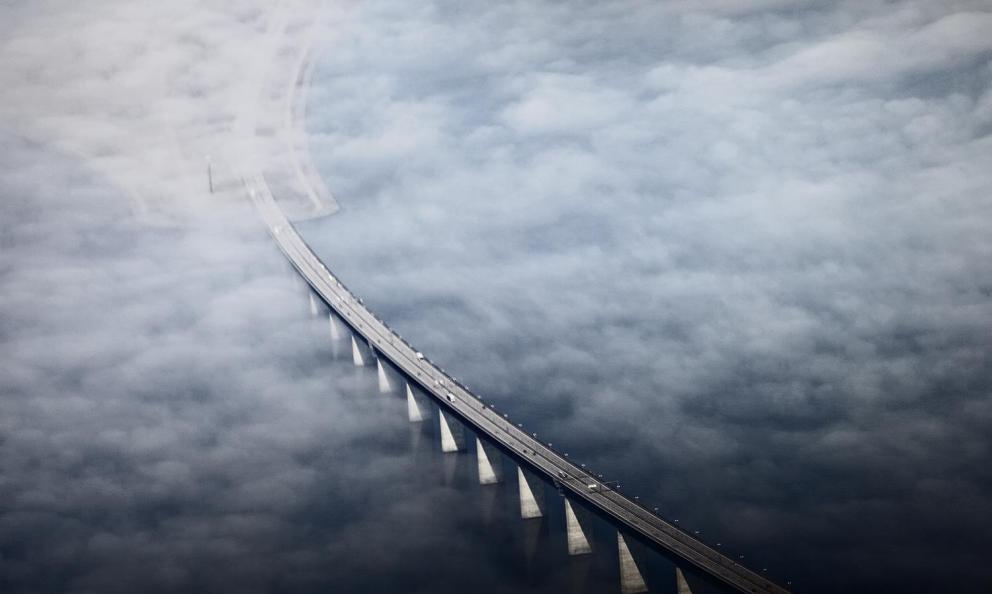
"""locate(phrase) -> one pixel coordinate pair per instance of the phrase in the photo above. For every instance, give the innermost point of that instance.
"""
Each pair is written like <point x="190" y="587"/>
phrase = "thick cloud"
<point x="735" y="253"/>
<point x="170" y="420"/>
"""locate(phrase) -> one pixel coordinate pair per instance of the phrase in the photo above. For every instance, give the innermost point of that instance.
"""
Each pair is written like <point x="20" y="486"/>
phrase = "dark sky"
<point x="734" y="254"/>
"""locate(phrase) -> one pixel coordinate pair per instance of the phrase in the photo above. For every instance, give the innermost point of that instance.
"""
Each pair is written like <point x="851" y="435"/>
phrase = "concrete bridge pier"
<point x="490" y="463"/>
<point x="452" y="433"/>
<point x="631" y="579"/>
<point x="531" y="495"/>
<point x="414" y="410"/>
<point x="681" y="586"/>
<point x="313" y="304"/>
<point x="358" y="353"/>
<point x="385" y="386"/>
<point x="337" y="333"/>
<point x="578" y="540"/>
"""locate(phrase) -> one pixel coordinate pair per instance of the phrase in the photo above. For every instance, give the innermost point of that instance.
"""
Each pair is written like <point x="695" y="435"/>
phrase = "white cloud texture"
<point x="736" y="253"/>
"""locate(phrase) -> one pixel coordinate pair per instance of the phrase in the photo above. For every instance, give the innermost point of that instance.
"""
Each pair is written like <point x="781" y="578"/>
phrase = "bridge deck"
<point x="632" y="516"/>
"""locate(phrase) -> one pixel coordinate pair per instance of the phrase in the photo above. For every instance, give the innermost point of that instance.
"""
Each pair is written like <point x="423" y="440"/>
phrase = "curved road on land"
<point x="452" y="395"/>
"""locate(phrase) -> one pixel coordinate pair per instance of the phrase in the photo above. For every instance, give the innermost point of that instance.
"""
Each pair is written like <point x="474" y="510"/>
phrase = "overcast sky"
<point x="734" y="254"/>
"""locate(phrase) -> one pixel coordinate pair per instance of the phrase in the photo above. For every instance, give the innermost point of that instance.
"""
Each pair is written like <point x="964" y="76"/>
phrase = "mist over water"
<point x="734" y="255"/>
<point x="173" y="420"/>
<point x="703" y="248"/>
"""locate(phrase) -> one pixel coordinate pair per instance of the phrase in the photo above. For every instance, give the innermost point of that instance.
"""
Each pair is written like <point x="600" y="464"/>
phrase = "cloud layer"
<point x="172" y="421"/>
<point x="736" y="253"/>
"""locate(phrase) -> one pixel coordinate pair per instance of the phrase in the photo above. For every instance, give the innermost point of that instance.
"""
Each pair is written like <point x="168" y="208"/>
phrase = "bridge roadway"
<point x="431" y="378"/>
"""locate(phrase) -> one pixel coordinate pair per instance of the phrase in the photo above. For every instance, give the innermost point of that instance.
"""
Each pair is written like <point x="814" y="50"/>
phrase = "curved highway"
<point x="452" y="395"/>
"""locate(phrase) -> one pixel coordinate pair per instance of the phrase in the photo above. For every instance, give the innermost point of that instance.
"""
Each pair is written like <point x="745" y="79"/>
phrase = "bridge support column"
<point x="413" y="410"/>
<point x="384" y="387"/>
<point x="681" y="586"/>
<point x="631" y="580"/>
<point x="489" y="473"/>
<point x="313" y="304"/>
<point x="451" y="437"/>
<point x="578" y="542"/>
<point x="356" y="353"/>
<point x="335" y="327"/>
<point x="530" y="506"/>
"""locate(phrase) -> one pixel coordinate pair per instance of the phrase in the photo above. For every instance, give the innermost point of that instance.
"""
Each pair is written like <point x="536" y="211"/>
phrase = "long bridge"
<point x="457" y="402"/>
